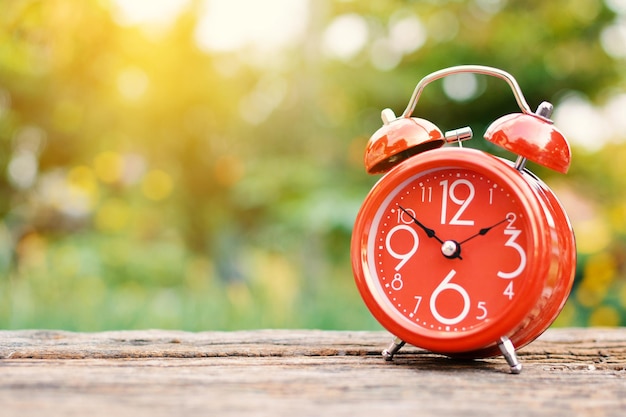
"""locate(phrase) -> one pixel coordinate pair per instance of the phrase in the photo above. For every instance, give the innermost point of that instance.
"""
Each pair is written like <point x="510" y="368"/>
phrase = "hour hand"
<point x="429" y="232"/>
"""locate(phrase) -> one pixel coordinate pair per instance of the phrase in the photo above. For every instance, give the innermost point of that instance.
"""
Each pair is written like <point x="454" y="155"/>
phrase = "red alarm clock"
<point x="458" y="251"/>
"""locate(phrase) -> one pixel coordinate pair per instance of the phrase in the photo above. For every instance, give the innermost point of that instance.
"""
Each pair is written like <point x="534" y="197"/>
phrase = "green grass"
<point x="95" y="282"/>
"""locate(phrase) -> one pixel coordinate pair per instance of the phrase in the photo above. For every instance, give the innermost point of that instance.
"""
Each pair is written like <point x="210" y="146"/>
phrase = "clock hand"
<point x="450" y="249"/>
<point x="429" y="232"/>
<point x="484" y="230"/>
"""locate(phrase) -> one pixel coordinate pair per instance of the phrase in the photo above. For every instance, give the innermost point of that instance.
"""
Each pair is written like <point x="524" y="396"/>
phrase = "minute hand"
<point x="484" y="231"/>
<point x="429" y="232"/>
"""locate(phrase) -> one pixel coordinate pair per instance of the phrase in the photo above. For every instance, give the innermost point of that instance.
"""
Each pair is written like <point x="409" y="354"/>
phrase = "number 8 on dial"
<point x="455" y="250"/>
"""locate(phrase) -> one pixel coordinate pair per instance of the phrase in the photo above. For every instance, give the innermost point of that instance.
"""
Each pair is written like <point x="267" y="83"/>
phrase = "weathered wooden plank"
<point x="279" y="372"/>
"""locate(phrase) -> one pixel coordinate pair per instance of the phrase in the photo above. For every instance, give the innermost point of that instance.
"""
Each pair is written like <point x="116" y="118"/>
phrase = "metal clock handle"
<point x="474" y="69"/>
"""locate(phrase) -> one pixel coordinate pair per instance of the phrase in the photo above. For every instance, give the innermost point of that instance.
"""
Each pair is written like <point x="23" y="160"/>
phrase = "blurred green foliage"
<point x="150" y="180"/>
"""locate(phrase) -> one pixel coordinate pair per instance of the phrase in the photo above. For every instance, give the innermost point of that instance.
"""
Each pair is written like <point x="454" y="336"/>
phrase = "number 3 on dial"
<point x="513" y="234"/>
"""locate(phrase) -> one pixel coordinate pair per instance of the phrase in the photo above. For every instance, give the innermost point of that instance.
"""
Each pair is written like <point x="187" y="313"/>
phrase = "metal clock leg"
<point x="393" y="348"/>
<point x="508" y="350"/>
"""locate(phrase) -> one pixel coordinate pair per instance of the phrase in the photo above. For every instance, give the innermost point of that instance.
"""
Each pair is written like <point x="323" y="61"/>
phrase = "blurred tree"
<point x="141" y="141"/>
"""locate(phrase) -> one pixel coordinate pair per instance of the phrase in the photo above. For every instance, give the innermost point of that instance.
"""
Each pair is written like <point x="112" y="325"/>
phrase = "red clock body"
<point x="454" y="250"/>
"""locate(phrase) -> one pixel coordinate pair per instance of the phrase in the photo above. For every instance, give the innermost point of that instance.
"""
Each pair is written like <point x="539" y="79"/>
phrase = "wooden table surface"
<point x="567" y="372"/>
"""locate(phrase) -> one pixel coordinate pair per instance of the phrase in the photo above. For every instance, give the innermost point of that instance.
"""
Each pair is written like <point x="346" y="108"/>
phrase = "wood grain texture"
<point x="567" y="372"/>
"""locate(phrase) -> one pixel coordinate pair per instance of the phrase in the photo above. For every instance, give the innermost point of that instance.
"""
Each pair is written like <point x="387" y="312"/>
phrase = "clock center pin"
<point x="451" y="249"/>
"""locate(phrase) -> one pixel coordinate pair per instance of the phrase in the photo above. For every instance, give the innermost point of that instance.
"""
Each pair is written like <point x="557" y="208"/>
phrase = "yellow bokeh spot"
<point x="108" y="166"/>
<point x="276" y="280"/>
<point x="617" y="216"/>
<point x="604" y="316"/>
<point x="31" y="251"/>
<point x="157" y="185"/>
<point x="113" y="216"/>
<point x="82" y="177"/>
<point x="592" y="235"/>
<point x="67" y="116"/>
<point x="228" y="170"/>
<point x="622" y="296"/>
<point x="198" y="274"/>
<point x="239" y="296"/>
<point x="81" y="192"/>
<point x="599" y="272"/>
<point x="589" y="298"/>
<point x="566" y="316"/>
<point x="599" y="275"/>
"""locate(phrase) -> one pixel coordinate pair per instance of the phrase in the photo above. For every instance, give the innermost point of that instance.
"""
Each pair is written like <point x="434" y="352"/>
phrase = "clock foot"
<point x="508" y="350"/>
<point x="393" y="348"/>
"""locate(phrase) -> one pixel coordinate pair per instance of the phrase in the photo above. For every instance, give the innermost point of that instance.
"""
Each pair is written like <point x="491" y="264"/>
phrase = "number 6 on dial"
<point x="447" y="285"/>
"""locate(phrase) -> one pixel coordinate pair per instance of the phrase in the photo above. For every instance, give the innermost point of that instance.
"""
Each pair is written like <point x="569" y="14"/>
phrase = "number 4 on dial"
<point x="508" y="291"/>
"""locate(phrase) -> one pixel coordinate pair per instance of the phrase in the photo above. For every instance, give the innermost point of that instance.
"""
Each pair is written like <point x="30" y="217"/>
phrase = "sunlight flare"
<point x="227" y="25"/>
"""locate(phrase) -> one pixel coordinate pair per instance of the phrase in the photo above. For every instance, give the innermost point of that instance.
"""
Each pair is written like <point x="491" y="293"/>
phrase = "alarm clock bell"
<point x="530" y="135"/>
